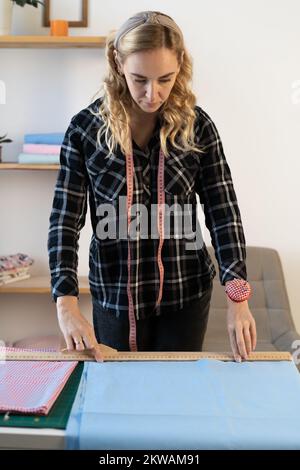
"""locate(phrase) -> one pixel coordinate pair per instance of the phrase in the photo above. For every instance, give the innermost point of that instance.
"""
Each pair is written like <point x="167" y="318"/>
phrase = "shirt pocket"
<point x="107" y="176"/>
<point x="180" y="173"/>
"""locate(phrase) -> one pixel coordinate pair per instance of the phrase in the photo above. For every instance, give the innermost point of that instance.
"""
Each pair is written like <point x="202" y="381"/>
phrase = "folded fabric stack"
<point x="14" y="268"/>
<point x="41" y="148"/>
<point x="31" y="387"/>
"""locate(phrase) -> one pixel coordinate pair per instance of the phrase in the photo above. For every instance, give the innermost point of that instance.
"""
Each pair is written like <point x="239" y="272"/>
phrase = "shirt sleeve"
<point x="67" y="215"/>
<point x="219" y="202"/>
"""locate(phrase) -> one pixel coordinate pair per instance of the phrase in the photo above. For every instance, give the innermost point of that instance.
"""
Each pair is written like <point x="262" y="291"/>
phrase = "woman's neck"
<point x="138" y="116"/>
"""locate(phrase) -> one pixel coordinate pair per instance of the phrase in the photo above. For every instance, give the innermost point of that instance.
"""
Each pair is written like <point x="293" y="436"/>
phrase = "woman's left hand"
<point x="241" y="329"/>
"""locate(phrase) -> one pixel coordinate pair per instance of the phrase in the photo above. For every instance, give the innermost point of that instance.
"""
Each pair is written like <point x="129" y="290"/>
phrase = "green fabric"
<point x="59" y="413"/>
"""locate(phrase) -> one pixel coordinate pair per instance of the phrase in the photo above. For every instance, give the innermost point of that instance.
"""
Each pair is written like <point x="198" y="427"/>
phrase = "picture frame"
<point x="81" y="23"/>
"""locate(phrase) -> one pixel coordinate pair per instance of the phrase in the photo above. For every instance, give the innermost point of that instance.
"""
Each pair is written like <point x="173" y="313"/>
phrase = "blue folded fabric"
<point x="51" y="138"/>
<point x="39" y="158"/>
<point x="205" y="404"/>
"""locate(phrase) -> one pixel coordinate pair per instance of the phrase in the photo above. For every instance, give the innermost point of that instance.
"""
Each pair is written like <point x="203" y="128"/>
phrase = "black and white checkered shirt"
<point x="86" y="174"/>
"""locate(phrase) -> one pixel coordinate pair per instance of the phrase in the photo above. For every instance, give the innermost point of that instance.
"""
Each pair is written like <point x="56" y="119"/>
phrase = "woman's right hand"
<point x="78" y="332"/>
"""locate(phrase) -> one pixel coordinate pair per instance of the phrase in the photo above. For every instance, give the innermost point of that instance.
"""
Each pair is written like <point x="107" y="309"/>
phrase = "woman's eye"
<point x="162" y="81"/>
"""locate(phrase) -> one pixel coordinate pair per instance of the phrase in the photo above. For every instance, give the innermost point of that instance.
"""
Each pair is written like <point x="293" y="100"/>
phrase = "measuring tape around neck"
<point x="160" y="226"/>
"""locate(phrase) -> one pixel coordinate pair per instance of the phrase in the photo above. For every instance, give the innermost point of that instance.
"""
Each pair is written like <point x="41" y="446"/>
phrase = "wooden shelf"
<point x="22" y="166"/>
<point x="52" y="42"/>
<point x="39" y="285"/>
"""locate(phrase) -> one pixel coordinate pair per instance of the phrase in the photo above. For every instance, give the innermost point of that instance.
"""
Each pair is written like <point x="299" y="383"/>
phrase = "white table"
<point x="31" y="438"/>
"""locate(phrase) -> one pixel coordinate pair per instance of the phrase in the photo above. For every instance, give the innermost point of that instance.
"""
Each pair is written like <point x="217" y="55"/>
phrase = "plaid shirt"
<point x="87" y="174"/>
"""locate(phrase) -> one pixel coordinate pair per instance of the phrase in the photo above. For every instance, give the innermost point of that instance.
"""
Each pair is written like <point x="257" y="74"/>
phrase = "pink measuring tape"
<point x="160" y="226"/>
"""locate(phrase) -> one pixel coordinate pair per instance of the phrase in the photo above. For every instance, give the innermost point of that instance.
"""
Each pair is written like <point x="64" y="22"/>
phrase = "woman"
<point x="145" y="146"/>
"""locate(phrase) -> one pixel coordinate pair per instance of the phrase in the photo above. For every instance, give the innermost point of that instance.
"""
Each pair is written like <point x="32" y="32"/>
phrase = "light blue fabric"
<point x="41" y="158"/>
<point x="205" y="404"/>
<point x="52" y="138"/>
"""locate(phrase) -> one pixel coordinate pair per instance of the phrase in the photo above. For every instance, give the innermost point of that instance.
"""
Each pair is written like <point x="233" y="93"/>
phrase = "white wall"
<point x="246" y="76"/>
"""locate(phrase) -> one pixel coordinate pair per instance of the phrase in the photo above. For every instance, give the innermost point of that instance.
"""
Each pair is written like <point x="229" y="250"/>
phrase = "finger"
<point x="92" y="344"/>
<point x="233" y="345"/>
<point x="240" y="341"/>
<point x="89" y="340"/>
<point x="98" y="353"/>
<point x="253" y="334"/>
<point x="62" y="343"/>
<point x="79" y="345"/>
<point x="69" y="342"/>
<point x="247" y="338"/>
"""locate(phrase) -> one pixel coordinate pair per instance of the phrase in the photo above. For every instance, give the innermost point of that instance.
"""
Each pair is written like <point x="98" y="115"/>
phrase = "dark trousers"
<point x="182" y="330"/>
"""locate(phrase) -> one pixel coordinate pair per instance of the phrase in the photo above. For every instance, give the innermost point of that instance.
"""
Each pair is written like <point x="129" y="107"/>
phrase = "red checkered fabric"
<point x="238" y="290"/>
<point x="31" y="387"/>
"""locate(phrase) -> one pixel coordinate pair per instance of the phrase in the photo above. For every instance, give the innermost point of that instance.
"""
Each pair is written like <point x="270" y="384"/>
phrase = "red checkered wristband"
<point x="238" y="290"/>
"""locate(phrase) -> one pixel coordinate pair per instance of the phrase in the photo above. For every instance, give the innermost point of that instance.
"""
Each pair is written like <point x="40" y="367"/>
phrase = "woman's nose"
<point x="152" y="91"/>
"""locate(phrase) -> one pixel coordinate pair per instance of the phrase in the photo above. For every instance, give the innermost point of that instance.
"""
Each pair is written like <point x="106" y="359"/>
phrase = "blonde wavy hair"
<point x="177" y="112"/>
